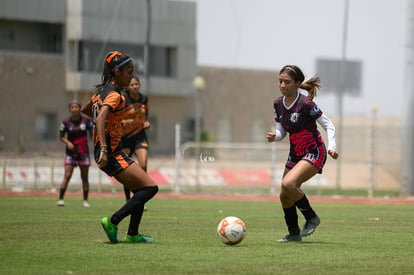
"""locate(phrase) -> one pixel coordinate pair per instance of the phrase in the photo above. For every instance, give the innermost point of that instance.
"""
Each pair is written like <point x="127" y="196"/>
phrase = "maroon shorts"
<point x="314" y="155"/>
<point x="77" y="159"/>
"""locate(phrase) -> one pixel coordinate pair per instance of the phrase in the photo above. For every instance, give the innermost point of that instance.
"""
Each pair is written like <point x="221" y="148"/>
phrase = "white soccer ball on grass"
<point x="231" y="230"/>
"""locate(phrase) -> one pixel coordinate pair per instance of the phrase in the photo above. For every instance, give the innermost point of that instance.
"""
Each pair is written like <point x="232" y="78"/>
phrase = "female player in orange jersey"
<point x="134" y="125"/>
<point x="107" y="108"/>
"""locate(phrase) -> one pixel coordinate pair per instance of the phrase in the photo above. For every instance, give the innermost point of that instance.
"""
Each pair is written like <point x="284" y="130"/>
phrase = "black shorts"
<point x="138" y="141"/>
<point x="117" y="161"/>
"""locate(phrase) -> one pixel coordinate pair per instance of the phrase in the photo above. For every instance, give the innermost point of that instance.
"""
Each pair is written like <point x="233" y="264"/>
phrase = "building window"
<point x="6" y="35"/>
<point x="163" y="61"/>
<point x="190" y="128"/>
<point x="224" y="133"/>
<point x="91" y="54"/>
<point x="55" y="42"/>
<point x="171" y="62"/>
<point x="36" y="37"/>
<point x="46" y="126"/>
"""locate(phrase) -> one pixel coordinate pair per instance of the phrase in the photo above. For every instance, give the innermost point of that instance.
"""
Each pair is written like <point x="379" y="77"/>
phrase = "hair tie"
<point x="109" y="58"/>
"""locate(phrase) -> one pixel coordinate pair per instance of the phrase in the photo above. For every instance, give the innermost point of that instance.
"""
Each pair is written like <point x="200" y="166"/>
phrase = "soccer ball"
<point x="231" y="230"/>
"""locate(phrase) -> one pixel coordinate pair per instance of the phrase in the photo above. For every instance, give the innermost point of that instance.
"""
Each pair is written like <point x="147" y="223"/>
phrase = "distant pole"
<point x="147" y="47"/>
<point x="76" y="64"/>
<point x="371" y="187"/>
<point x="4" y="165"/>
<point x="341" y="91"/>
<point x="407" y="156"/>
<point x="52" y="176"/>
<point x="199" y="85"/>
<point x="177" y="157"/>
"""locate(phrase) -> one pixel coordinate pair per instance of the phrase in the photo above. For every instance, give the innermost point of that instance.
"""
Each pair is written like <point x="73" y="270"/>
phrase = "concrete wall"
<point x="52" y="11"/>
<point x="168" y="111"/>
<point x="36" y="84"/>
<point x="239" y="102"/>
<point x="31" y="84"/>
<point x="103" y="21"/>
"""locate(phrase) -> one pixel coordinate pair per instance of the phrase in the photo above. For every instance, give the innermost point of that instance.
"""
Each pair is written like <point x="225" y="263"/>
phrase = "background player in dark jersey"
<point x="297" y="114"/>
<point x="74" y="133"/>
<point x="134" y="123"/>
<point x="106" y="108"/>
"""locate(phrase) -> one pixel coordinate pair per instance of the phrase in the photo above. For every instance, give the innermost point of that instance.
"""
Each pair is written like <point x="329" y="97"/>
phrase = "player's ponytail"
<point x="312" y="85"/>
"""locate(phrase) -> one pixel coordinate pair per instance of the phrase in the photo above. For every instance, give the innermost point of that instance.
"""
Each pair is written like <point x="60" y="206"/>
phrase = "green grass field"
<point x="39" y="238"/>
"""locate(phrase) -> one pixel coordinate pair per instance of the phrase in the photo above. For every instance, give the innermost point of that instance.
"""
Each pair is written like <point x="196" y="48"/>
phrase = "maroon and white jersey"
<point x="77" y="133"/>
<point x="299" y="120"/>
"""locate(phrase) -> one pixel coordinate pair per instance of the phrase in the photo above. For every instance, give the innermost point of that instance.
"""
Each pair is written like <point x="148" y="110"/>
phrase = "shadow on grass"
<point x="319" y="242"/>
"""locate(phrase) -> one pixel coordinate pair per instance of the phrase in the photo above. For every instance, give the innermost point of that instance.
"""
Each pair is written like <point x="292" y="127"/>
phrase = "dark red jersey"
<point x="299" y="120"/>
<point x="77" y="133"/>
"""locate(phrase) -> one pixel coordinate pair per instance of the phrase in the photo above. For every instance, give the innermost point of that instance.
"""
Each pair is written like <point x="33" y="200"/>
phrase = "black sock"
<point x="304" y="207"/>
<point x="61" y="193"/>
<point x="85" y="195"/>
<point x="127" y="193"/>
<point x="291" y="219"/>
<point x="137" y="201"/>
<point x="135" y="220"/>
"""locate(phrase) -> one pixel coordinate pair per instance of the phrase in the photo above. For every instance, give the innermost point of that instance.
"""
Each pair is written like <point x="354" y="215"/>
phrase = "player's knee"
<point x="155" y="189"/>
<point x="148" y="193"/>
<point x="283" y="196"/>
<point x="288" y="186"/>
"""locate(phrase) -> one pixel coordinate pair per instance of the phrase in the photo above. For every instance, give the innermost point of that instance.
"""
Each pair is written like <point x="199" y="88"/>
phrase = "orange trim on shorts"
<point x="116" y="163"/>
<point x="123" y="163"/>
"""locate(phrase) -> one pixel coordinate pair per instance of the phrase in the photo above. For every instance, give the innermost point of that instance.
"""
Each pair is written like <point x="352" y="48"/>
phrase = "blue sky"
<point x="267" y="34"/>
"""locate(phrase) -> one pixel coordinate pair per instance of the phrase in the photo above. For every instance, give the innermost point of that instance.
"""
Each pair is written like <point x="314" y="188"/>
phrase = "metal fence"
<point x="370" y="160"/>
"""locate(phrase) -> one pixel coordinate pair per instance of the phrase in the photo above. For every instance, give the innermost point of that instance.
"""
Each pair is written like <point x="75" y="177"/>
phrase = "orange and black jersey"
<point x="110" y="96"/>
<point x="135" y="115"/>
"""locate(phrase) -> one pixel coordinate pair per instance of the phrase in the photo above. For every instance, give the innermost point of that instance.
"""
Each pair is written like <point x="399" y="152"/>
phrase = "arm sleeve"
<point x="280" y="132"/>
<point x="112" y="100"/>
<point x="327" y="124"/>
